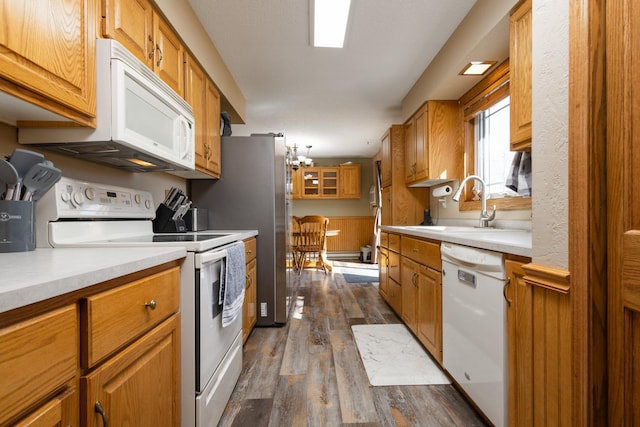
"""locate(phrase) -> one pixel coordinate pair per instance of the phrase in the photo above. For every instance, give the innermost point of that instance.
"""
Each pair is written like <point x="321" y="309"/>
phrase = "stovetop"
<point x="83" y="214"/>
<point x="170" y="238"/>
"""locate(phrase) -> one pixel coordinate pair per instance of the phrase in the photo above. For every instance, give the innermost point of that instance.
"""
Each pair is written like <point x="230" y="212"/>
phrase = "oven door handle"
<point x="209" y="257"/>
<point x="212" y="256"/>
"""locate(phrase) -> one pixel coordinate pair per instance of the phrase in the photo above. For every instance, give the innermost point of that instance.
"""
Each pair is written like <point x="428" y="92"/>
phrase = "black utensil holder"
<point x="17" y="226"/>
<point x="163" y="222"/>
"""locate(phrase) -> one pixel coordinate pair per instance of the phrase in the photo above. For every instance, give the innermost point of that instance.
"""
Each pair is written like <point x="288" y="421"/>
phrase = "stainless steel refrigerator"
<point x="252" y="194"/>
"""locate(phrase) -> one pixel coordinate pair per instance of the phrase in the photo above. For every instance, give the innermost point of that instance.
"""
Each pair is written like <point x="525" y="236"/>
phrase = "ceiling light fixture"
<point x="296" y="160"/>
<point x="477" y="68"/>
<point x="330" y="19"/>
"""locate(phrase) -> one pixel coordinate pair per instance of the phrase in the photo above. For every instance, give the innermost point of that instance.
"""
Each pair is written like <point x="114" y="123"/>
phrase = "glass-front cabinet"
<point x="320" y="182"/>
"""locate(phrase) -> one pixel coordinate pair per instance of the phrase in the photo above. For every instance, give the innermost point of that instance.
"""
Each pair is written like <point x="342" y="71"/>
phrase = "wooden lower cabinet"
<point x="429" y="312"/>
<point x="383" y="268"/>
<point x="61" y="410"/>
<point x="249" y="310"/>
<point x="410" y="272"/>
<point x="39" y="359"/>
<point x="140" y="385"/>
<point x="422" y="291"/>
<point x="104" y="355"/>
<point x="250" y="306"/>
<point x="395" y="296"/>
<point x="390" y="288"/>
<point x="516" y="294"/>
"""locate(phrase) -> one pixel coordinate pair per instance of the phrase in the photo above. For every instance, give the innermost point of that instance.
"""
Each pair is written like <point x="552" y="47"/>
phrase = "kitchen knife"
<point x="177" y="203"/>
<point x="181" y="211"/>
<point x="170" y="196"/>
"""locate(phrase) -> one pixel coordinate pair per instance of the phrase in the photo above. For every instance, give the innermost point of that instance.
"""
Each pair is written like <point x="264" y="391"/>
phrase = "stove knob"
<point x="65" y="197"/>
<point x="137" y="198"/>
<point x="77" y="198"/>
<point x="147" y="204"/>
<point x="90" y="193"/>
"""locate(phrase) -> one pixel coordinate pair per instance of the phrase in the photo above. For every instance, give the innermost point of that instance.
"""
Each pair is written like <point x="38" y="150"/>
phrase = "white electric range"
<point x="83" y="214"/>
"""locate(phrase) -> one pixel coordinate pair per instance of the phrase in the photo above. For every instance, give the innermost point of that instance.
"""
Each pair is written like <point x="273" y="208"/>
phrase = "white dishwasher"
<point x="474" y="326"/>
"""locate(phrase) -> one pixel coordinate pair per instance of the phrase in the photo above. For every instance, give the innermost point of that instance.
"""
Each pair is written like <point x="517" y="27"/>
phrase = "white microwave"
<point x="142" y="124"/>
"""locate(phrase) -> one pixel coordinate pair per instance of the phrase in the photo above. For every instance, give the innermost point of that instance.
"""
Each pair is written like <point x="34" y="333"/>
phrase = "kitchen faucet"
<point x="485" y="217"/>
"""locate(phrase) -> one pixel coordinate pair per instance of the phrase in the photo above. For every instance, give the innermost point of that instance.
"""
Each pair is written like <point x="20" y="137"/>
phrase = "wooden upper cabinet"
<point x="386" y="159"/>
<point x="520" y="79"/>
<point x="433" y="146"/>
<point x="204" y="98"/>
<point x="296" y="183"/>
<point x="400" y="204"/>
<point x="47" y="55"/>
<point x="212" y="136"/>
<point x="350" y="181"/>
<point x="326" y="182"/>
<point x="194" y="94"/>
<point x="131" y="23"/>
<point x="168" y="55"/>
<point x="145" y="33"/>
<point x="410" y="150"/>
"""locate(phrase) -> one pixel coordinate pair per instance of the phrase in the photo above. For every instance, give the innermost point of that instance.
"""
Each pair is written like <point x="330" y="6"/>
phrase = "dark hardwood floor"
<point x="309" y="373"/>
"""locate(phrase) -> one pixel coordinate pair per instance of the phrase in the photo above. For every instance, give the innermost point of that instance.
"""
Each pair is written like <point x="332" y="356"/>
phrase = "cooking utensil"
<point x="40" y="178"/>
<point x="23" y="160"/>
<point x="9" y="176"/>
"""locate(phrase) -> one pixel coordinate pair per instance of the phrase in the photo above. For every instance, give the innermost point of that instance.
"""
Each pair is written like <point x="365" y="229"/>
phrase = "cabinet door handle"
<point x="100" y="410"/>
<point x="159" y="61"/>
<point x="504" y="291"/>
<point x="414" y="279"/>
<point x="152" y="304"/>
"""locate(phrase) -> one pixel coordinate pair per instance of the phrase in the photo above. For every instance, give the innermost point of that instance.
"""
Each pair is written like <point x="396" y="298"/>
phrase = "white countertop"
<point x="29" y="277"/>
<point x="513" y="241"/>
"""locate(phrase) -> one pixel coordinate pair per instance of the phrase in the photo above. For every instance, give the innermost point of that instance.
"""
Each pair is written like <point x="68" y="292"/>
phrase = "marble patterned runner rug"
<point x="392" y="356"/>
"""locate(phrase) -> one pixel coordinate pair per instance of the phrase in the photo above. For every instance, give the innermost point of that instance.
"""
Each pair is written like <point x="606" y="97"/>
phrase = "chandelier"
<point x="296" y="160"/>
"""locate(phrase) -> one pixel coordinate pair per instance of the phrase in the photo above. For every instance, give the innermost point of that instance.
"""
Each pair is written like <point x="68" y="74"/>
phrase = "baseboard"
<point x="343" y="255"/>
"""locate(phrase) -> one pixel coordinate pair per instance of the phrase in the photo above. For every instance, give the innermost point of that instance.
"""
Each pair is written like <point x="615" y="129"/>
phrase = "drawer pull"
<point x="100" y="410"/>
<point x="151" y="305"/>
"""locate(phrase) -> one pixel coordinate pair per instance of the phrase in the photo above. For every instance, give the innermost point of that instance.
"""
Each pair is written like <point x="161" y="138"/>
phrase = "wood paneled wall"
<point x="355" y="231"/>
<point x="543" y="347"/>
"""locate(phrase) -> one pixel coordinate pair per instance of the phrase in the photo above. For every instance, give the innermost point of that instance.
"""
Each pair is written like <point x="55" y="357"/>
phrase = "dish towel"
<point x="519" y="177"/>
<point x="232" y="283"/>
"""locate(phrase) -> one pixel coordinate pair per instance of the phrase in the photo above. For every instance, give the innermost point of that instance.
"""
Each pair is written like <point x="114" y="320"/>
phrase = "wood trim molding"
<point x="587" y="210"/>
<point x="551" y="278"/>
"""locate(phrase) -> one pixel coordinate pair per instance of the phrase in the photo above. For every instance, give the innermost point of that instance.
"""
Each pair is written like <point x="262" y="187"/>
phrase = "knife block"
<point x="163" y="223"/>
<point x="17" y="226"/>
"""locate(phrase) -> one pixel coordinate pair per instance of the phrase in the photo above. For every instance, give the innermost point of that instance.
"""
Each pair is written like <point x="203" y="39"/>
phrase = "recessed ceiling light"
<point x="476" y="68"/>
<point x="330" y="19"/>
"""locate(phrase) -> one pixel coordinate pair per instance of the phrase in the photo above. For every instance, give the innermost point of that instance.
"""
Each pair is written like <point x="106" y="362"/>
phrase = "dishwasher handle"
<point x="466" y="277"/>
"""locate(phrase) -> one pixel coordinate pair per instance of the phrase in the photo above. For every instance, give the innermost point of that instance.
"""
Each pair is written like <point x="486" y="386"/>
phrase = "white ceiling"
<point x="339" y="101"/>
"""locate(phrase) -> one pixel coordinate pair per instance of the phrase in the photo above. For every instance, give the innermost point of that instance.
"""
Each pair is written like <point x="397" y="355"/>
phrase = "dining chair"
<point x="310" y="239"/>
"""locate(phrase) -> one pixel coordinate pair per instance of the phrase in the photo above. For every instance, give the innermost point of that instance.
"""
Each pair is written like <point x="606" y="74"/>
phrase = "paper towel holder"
<point x="441" y="192"/>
